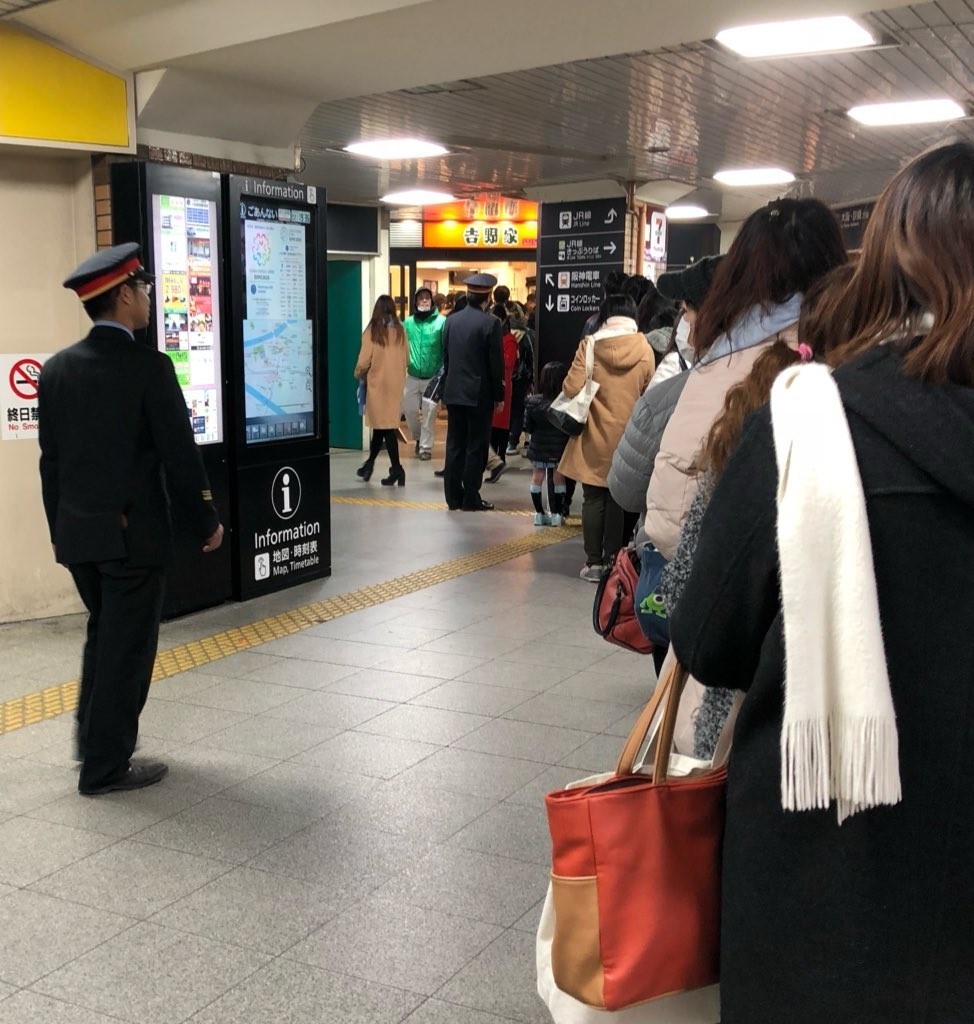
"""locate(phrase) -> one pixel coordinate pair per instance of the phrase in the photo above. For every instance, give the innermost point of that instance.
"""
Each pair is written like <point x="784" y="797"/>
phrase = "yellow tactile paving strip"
<point x="62" y="698"/>
<point x="422" y="506"/>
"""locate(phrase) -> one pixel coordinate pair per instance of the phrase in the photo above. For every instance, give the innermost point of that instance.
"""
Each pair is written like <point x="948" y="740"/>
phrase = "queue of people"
<point x="808" y="451"/>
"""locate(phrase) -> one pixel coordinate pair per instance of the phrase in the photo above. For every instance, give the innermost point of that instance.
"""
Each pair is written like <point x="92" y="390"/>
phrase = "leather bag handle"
<point x="637" y="737"/>
<point x="664" y="741"/>
<point x="667" y="696"/>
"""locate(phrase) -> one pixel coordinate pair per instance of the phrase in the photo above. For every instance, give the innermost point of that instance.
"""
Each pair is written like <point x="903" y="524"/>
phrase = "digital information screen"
<point x="187" y="305"/>
<point x="278" y="336"/>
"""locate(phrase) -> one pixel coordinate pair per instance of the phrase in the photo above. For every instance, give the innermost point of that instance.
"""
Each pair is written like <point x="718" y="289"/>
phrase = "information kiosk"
<point x="177" y="216"/>
<point x="279" y="391"/>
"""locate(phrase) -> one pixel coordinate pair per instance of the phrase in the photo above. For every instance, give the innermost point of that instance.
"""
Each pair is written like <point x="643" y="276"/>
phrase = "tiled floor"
<point x="352" y="829"/>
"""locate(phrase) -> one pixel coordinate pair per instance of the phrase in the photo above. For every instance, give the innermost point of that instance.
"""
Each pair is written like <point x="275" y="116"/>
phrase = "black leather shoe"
<point x="439" y="472"/>
<point x="496" y="473"/>
<point x="138" y="776"/>
<point x="364" y="472"/>
<point x="482" y="506"/>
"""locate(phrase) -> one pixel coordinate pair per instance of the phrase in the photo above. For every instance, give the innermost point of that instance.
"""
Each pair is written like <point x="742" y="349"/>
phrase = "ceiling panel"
<point x="679" y="112"/>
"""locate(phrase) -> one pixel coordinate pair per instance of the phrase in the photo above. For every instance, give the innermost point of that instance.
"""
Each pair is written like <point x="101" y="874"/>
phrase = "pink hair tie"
<point x="805" y="352"/>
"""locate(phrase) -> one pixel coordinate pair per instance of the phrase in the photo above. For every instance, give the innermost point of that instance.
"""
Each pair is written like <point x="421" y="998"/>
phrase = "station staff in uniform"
<point x="115" y="436"/>
<point x="473" y="389"/>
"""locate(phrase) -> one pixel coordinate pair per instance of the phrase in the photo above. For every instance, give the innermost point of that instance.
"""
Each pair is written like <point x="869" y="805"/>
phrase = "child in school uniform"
<point x="546" y="447"/>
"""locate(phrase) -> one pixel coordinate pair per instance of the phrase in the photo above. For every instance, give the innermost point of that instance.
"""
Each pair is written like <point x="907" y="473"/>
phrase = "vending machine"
<point x="277" y="352"/>
<point x="177" y="215"/>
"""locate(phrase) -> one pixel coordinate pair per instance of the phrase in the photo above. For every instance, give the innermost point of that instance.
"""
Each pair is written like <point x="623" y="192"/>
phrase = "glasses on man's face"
<point x="145" y="286"/>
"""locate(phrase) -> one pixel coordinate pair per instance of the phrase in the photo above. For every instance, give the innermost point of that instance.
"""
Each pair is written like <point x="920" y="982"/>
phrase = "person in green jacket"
<point x="424" y="331"/>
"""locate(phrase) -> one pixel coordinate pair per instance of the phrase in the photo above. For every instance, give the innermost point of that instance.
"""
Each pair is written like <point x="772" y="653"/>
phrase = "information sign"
<point x="278" y="334"/>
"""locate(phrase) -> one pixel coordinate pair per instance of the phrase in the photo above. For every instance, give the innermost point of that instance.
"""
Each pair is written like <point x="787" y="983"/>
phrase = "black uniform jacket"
<point x="473" y="359"/>
<point x="114" y="436"/>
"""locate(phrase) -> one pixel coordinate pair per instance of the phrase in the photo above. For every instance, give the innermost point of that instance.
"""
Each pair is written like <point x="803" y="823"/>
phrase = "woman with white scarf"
<point x="834" y="582"/>
<point x="624" y="364"/>
<point x="754" y="299"/>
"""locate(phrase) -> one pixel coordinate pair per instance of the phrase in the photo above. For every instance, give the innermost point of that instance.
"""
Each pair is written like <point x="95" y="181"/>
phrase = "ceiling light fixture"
<point x="396" y="149"/>
<point x="755" y="176"/>
<point x="418" y="197"/>
<point x="797" y="38"/>
<point x="686" y="211"/>
<point x="912" y="112"/>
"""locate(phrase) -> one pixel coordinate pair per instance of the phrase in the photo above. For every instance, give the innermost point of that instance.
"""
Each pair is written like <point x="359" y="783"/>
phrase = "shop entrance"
<point x="446" y="276"/>
<point x="444" y="273"/>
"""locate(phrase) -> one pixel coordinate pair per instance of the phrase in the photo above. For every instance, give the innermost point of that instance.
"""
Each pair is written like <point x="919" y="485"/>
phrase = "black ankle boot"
<point x="365" y="470"/>
<point x="396" y="476"/>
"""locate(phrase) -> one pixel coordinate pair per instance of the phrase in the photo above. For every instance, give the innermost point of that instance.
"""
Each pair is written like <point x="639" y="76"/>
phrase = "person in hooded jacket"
<point x="872" y="920"/>
<point x="624" y="365"/>
<point x="753" y="301"/>
<point x="424" y="332"/>
<point x="632" y="461"/>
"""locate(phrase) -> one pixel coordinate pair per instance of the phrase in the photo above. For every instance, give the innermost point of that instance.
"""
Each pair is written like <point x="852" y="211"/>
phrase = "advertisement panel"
<point x="187" y="305"/>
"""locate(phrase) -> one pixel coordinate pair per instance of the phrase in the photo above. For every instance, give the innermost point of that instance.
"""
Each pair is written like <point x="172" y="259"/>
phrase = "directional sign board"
<point x="579" y="244"/>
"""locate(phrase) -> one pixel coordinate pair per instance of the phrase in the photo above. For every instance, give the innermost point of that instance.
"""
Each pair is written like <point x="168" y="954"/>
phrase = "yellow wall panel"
<point x="50" y="96"/>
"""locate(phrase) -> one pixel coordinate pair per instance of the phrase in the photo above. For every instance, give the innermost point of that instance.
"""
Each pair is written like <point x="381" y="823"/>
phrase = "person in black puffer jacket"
<point x="546" y="447"/>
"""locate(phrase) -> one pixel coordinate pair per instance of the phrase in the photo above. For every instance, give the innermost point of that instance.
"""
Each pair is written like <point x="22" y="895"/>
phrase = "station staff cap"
<point x="481" y="284"/>
<point x="106" y="269"/>
<point x="690" y="285"/>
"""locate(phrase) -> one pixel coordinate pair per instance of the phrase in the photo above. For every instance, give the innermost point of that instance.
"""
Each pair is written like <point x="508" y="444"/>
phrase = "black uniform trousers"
<point x="124" y="607"/>
<point x="467" y="438"/>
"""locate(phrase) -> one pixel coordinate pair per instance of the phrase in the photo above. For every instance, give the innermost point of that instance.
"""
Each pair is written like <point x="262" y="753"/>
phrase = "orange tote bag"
<point x="635" y="879"/>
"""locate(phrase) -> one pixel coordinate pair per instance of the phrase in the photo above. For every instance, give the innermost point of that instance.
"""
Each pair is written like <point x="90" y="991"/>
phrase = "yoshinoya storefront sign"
<point x="283" y="526"/>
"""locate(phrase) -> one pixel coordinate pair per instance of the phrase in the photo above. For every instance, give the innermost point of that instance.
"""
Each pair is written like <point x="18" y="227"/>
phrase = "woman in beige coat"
<point x="382" y="364"/>
<point x="624" y="364"/>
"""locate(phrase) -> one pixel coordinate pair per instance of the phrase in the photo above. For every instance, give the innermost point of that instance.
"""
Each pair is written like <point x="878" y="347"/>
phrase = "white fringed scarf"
<point x="838" y="739"/>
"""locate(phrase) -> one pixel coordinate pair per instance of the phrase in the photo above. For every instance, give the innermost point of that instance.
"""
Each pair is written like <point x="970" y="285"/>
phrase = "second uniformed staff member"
<point x="115" y="437"/>
<point x="473" y="389"/>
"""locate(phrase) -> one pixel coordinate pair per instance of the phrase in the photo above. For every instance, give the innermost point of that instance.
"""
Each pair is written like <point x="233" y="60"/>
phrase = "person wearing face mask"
<point x="424" y="332"/>
<point x="632" y="461"/>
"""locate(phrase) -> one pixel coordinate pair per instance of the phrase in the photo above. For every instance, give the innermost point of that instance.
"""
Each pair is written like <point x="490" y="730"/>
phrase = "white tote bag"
<point x="571" y="414"/>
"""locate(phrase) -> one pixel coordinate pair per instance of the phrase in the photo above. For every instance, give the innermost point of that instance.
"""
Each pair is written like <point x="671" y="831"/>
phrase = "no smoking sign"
<point x="24" y="375"/>
<point x="19" y="377"/>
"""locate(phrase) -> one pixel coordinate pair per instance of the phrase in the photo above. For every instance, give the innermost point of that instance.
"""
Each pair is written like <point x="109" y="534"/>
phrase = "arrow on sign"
<point x="611" y="216"/>
<point x="610" y="248"/>
<point x="549" y="280"/>
<point x="549" y="305"/>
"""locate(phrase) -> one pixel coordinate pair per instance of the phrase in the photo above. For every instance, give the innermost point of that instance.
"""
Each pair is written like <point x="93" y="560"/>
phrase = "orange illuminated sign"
<point x="489" y="208"/>
<point x="479" y="234"/>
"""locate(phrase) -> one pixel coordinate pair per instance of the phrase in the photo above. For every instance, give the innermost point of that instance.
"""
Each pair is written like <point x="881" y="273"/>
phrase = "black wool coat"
<point x="871" y="922"/>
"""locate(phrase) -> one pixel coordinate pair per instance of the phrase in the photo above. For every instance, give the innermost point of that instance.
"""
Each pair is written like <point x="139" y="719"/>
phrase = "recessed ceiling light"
<point x="796" y="38"/>
<point x="755" y="176"/>
<point x="418" y="197"/>
<point x="686" y="211"/>
<point x="914" y="112"/>
<point x="396" y="149"/>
